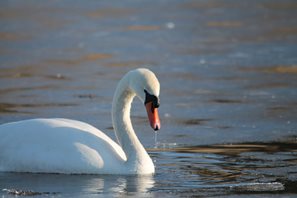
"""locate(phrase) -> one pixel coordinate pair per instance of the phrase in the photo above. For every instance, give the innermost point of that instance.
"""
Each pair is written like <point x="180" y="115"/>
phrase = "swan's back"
<point x="58" y="146"/>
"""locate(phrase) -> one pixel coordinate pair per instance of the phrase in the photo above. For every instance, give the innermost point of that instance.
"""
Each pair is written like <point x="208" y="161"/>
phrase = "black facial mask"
<point x="151" y="98"/>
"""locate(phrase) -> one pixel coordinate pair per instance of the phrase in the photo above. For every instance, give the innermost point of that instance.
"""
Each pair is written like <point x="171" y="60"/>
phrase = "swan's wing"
<point x="91" y="129"/>
<point x="57" y="145"/>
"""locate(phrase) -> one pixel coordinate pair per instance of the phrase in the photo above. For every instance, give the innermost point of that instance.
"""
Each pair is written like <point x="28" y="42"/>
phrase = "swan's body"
<point x="58" y="145"/>
<point x="68" y="146"/>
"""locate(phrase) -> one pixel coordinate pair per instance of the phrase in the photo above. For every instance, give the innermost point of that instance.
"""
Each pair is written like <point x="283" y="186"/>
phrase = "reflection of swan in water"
<point x="117" y="184"/>
<point x="70" y="146"/>
<point x="78" y="185"/>
<point x="139" y="184"/>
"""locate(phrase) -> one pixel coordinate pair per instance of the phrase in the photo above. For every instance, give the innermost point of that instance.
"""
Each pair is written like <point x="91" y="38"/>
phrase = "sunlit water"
<point x="228" y="79"/>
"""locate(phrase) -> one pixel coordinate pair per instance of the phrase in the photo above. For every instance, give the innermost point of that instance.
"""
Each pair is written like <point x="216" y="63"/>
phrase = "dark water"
<point x="228" y="73"/>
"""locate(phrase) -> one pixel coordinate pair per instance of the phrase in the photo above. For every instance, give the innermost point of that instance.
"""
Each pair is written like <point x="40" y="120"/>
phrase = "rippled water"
<point x="228" y="90"/>
<point x="234" y="169"/>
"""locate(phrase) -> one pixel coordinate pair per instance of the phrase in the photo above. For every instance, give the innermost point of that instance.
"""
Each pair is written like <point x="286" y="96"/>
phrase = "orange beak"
<point x="153" y="116"/>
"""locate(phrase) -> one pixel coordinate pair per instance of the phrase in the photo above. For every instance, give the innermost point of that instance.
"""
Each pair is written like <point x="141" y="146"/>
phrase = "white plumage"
<point x="59" y="145"/>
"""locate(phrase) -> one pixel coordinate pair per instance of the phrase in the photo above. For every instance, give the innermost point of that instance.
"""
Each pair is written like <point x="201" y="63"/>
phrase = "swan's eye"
<point x="151" y="98"/>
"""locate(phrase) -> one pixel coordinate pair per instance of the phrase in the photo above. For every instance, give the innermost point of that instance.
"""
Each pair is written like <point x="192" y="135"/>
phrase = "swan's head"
<point x="147" y="87"/>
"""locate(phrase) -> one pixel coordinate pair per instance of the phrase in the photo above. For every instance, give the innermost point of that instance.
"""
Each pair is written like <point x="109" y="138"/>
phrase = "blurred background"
<point x="228" y="74"/>
<point x="228" y="69"/>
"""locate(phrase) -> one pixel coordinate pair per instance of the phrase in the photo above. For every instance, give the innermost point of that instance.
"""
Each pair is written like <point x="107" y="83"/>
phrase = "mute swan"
<point x="72" y="147"/>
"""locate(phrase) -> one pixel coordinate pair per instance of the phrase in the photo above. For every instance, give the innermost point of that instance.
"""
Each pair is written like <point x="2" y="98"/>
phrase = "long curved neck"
<point x="125" y="134"/>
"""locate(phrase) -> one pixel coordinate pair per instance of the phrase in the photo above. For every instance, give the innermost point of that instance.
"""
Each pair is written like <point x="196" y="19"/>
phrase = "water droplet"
<point x="156" y="139"/>
<point x="58" y="75"/>
<point x="202" y="61"/>
<point x="167" y="115"/>
<point x="170" y="25"/>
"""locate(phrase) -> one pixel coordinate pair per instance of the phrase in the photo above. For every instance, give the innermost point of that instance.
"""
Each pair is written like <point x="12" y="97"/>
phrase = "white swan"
<point x="73" y="147"/>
